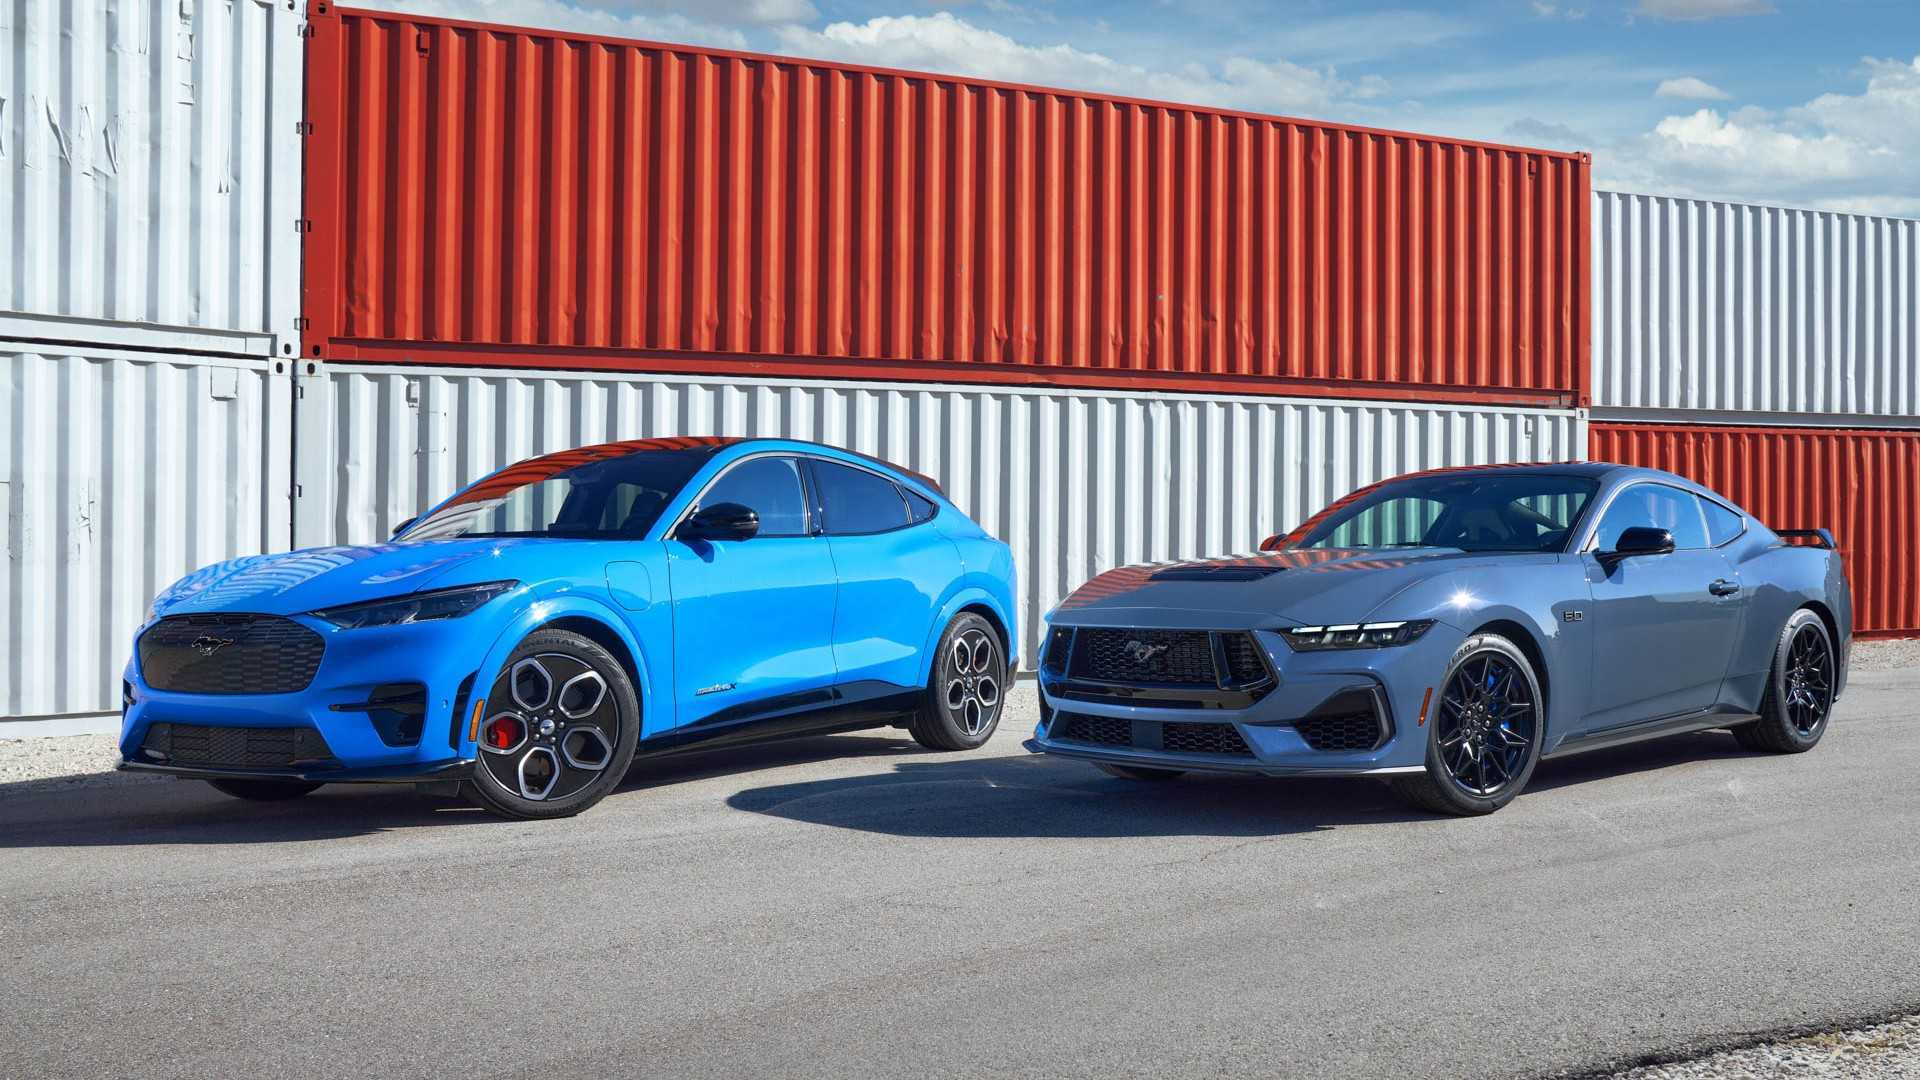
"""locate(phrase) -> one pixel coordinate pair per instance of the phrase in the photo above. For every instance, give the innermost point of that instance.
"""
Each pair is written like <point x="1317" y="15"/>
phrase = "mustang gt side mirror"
<point x="1642" y="540"/>
<point x="721" y="521"/>
<point x="402" y="527"/>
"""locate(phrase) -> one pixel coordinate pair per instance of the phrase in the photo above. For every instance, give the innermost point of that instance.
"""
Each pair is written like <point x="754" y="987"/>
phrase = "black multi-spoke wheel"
<point x="557" y="729"/>
<point x="1484" y="731"/>
<point x="965" y="689"/>
<point x="1800" y="689"/>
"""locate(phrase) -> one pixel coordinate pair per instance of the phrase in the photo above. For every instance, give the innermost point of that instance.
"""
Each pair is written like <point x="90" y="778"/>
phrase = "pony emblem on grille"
<point x="1141" y="652"/>
<point x="207" y="644"/>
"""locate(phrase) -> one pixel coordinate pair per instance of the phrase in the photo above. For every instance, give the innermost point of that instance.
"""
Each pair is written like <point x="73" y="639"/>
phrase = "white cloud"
<point x="1691" y="89"/>
<point x="944" y="42"/>
<point x="1693" y="10"/>
<point x="1855" y="152"/>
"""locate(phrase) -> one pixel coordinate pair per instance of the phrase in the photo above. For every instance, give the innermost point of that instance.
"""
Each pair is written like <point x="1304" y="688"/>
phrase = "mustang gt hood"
<point x="1280" y="588"/>
<point x="297" y="581"/>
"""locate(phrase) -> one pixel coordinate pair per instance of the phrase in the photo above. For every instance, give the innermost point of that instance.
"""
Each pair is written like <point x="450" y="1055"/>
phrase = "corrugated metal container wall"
<point x="1864" y="485"/>
<point x="121" y="472"/>
<point x="1732" y="308"/>
<point x="488" y="195"/>
<point x="1078" y="482"/>
<point x="150" y="155"/>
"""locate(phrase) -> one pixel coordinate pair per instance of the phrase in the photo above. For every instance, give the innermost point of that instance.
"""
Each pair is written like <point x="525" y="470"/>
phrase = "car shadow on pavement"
<point x="1045" y="797"/>
<point x="1039" y="797"/>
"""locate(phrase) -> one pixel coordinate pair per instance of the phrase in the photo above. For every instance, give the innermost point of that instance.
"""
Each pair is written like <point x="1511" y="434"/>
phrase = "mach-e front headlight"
<point x="1372" y="635"/>
<point x="413" y="608"/>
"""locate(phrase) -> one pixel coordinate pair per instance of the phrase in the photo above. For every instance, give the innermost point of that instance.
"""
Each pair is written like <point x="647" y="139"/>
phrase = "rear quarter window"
<point x="1722" y="523"/>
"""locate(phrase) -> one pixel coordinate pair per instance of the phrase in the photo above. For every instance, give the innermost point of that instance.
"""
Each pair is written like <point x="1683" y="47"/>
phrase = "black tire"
<point x="1484" y="734"/>
<point x="265" y="790"/>
<point x="572" y="747"/>
<point x="1799" y="698"/>
<point x="966" y="688"/>
<point x="1139" y="772"/>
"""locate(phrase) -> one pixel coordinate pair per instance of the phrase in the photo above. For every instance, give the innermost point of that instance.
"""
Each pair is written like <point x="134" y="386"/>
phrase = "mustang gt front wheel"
<point x="557" y="731"/>
<point x="1483" y="736"/>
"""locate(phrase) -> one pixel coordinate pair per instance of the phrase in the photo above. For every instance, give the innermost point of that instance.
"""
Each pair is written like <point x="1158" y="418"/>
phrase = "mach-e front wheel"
<point x="558" y="728"/>
<point x="1483" y="737"/>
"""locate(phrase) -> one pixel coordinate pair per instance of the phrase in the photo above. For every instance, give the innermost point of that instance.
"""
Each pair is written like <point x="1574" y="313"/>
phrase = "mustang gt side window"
<point x="770" y="487"/>
<point x="1656" y="506"/>
<point x="1722" y="523"/>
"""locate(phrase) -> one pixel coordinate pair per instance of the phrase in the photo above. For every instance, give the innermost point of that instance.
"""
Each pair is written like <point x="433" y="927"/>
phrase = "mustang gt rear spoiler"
<point x="1824" y="537"/>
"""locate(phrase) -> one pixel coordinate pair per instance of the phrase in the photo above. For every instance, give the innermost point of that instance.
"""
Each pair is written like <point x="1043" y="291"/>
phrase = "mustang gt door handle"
<point x="1723" y="587"/>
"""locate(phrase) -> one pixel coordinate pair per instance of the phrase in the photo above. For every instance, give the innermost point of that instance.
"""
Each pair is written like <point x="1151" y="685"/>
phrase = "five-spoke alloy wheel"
<point x="558" y="728"/>
<point x="966" y="688"/>
<point x="1484" y="733"/>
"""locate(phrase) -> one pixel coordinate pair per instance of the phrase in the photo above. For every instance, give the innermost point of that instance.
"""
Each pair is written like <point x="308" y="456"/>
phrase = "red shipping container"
<point x="1864" y="485"/>
<point x="490" y="195"/>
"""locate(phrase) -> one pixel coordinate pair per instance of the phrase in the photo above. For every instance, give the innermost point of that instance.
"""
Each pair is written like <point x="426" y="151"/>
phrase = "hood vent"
<point x="1203" y="572"/>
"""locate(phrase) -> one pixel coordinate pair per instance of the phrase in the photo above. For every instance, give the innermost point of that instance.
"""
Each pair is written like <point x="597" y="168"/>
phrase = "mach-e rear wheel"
<point x="558" y="728"/>
<point x="1799" y="698"/>
<point x="966" y="688"/>
<point x="1483" y="737"/>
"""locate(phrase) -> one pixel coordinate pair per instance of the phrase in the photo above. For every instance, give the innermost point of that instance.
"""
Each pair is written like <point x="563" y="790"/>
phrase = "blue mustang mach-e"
<point x="525" y="639"/>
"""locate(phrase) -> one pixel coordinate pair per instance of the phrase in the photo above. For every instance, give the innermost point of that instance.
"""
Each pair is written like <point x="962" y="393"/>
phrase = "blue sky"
<point x="1802" y="103"/>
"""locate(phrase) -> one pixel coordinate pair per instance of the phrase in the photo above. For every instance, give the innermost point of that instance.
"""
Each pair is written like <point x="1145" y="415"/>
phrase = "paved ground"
<point x="851" y="906"/>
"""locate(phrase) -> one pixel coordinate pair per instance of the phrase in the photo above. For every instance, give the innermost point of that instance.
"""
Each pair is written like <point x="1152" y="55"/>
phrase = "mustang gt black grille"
<point x="1178" y="738"/>
<point x="235" y="747"/>
<point x="1184" y="657"/>
<point x="1102" y="730"/>
<point x="229" y="654"/>
<point x="1344" y="731"/>
<point x="1204" y="739"/>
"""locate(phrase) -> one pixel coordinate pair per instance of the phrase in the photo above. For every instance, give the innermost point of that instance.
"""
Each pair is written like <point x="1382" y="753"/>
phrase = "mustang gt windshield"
<point x="616" y="498"/>
<point x="1490" y="512"/>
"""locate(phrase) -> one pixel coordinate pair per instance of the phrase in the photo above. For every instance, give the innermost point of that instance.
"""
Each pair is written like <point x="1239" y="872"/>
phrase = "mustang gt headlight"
<point x="417" y="607"/>
<point x="1373" y="635"/>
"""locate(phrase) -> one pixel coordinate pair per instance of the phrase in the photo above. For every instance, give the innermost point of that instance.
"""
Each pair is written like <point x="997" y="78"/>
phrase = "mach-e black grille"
<point x="229" y="654"/>
<point x="200" y="745"/>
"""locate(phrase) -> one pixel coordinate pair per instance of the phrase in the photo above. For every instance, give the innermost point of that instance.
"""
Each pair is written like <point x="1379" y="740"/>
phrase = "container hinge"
<point x="303" y="127"/>
<point x="303" y="225"/>
<point x="301" y="322"/>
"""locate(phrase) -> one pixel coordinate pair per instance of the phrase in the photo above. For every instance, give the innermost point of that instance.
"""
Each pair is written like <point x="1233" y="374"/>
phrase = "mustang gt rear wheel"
<point x="965" y="689"/>
<point x="1483" y="736"/>
<point x="558" y="729"/>
<point x="1793" y="713"/>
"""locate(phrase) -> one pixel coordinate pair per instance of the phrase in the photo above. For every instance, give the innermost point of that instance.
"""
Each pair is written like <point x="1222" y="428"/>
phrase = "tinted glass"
<point x="770" y="487"/>
<point x="1470" y="511"/>
<point x="607" y="499"/>
<point x="857" y="501"/>
<point x="1653" y="506"/>
<point x="922" y="507"/>
<point x="1722" y="523"/>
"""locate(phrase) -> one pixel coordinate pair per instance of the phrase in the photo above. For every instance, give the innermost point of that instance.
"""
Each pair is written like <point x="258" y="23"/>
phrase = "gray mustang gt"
<point x="1446" y="630"/>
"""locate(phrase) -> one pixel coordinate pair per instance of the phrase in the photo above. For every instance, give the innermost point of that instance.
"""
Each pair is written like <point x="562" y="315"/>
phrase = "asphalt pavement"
<point x="853" y="906"/>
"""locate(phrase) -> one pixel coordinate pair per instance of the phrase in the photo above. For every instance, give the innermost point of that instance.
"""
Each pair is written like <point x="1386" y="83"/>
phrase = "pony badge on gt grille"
<point x="1142" y="651"/>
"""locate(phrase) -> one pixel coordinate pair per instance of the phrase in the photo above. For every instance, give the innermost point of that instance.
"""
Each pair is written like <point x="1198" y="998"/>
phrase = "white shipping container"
<point x="150" y="158"/>
<point x="1078" y="482"/>
<point x="120" y="472"/>
<point x="1710" y="311"/>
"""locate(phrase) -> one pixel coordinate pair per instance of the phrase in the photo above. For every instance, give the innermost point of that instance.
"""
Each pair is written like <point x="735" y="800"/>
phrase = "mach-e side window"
<point x="770" y="487"/>
<point x="857" y="501"/>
